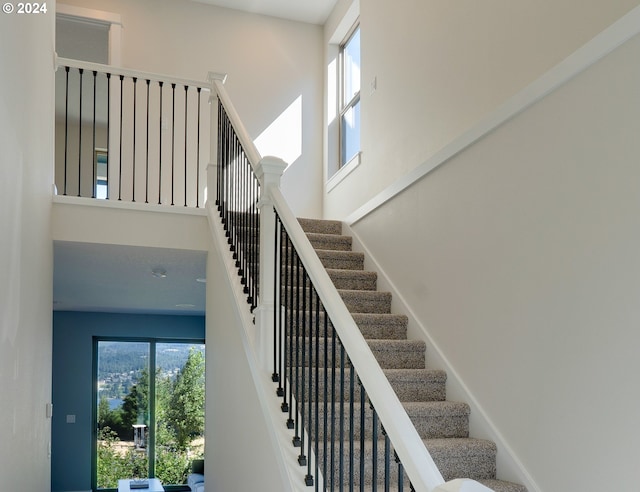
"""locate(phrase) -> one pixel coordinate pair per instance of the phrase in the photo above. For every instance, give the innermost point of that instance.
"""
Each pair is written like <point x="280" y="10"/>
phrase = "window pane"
<point x="351" y="54"/>
<point x="180" y="392"/>
<point x="123" y="412"/>
<point x="350" y="133"/>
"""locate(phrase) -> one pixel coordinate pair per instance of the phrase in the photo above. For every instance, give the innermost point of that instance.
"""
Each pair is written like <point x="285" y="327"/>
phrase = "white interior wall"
<point x="239" y="438"/>
<point x="441" y="66"/>
<point x="519" y="257"/>
<point x="274" y="72"/>
<point x="26" y="257"/>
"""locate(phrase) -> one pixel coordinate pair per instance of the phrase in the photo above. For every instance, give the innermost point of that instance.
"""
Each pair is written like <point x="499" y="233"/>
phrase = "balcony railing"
<point x="130" y="136"/>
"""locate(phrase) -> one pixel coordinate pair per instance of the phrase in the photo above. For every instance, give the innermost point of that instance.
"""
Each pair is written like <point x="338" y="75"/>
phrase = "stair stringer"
<point x="291" y="472"/>
<point x="480" y="424"/>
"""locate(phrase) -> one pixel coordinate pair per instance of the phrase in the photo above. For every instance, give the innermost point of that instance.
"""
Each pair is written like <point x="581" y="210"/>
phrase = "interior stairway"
<point x="442" y="424"/>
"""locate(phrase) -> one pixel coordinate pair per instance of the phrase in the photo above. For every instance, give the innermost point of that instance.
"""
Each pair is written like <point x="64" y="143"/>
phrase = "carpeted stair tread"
<point x="321" y="226"/>
<point x="502" y="486"/>
<point x="366" y="301"/>
<point x="418" y="384"/>
<point x="463" y="457"/>
<point x="346" y="260"/>
<point x="439" y="419"/>
<point x="331" y="242"/>
<point x="353" y="279"/>
<point x="390" y="354"/>
<point x="411" y="385"/>
<point x="381" y="325"/>
<point x="372" y="325"/>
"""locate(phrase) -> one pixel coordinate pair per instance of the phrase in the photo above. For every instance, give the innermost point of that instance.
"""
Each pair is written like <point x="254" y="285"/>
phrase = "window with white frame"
<point x="350" y="96"/>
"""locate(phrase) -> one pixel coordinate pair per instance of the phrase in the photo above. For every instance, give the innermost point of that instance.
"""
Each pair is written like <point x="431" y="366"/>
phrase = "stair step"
<point x="433" y="419"/>
<point x="390" y="354"/>
<point x="463" y="457"/>
<point x="353" y="279"/>
<point x="418" y="384"/>
<point x="366" y="301"/>
<point x="332" y="242"/>
<point x="414" y="385"/>
<point x="345" y="260"/>
<point x="321" y="226"/>
<point x="381" y="326"/>
<point x="456" y="458"/>
<point x="502" y="486"/>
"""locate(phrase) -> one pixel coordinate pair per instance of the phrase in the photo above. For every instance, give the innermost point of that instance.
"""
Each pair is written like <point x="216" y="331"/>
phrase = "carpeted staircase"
<point x="444" y="425"/>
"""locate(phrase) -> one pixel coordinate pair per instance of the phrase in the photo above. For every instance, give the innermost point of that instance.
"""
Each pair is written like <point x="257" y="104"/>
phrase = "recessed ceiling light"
<point x="185" y="305"/>
<point x="159" y="272"/>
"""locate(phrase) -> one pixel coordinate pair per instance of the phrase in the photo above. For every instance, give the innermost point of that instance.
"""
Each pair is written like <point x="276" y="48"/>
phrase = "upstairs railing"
<point x="130" y="136"/>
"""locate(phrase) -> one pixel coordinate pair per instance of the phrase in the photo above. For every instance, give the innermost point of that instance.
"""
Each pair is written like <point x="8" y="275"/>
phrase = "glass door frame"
<point x="151" y="445"/>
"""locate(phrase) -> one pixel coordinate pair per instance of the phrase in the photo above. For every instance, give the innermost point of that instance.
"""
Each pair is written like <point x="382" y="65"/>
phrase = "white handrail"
<point x="245" y="139"/>
<point x="415" y="458"/>
<point x="413" y="454"/>
<point x="98" y="67"/>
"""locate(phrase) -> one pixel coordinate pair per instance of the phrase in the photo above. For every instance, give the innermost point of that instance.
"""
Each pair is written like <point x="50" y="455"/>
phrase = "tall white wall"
<point x="441" y="66"/>
<point x="26" y="258"/>
<point x="520" y="258"/>
<point x="274" y="72"/>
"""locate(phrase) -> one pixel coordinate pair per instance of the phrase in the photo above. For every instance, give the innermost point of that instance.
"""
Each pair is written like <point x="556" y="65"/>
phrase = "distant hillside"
<point x="120" y="363"/>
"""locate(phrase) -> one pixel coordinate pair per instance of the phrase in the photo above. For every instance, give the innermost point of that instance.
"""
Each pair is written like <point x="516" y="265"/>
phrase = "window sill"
<point x="343" y="172"/>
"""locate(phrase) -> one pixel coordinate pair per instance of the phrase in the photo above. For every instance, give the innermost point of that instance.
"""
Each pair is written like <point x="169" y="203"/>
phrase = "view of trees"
<point x="179" y="431"/>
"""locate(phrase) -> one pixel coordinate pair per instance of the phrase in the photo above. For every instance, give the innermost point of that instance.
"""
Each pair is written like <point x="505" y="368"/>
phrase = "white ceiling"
<point x="311" y="11"/>
<point x="114" y="278"/>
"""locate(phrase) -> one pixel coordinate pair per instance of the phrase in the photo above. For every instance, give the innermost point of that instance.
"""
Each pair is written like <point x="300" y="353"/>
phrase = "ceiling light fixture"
<point x="159" y="273"/>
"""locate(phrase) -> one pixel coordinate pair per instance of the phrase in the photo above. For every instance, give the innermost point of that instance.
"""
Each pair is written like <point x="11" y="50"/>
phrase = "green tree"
<point x="185" y="411"/>
<point x="135" y="406"/>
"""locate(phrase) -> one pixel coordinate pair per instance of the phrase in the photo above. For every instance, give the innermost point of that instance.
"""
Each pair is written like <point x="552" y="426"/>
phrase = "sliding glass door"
<point x="149" y="410"/>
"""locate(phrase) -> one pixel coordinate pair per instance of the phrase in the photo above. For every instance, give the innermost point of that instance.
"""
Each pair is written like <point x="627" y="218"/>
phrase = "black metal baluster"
<point x="146" y="180"/>
<point x="296" y="384"/>
<point x="400" y="472"/>
<point x="108" y="130"/>
<point x="220" y="157"/>
<point x="186" y="88"/>
<point x="362" y="432"/>
<point x="289" y="329"/>
<point x="333" y="406"/>
<point x="325" y="423"/>
<point x="374" y="453"/>
<point x="93" y="143"/>
<point x="308" y="480"/>
<point x="317" y="390"/>
<point x="198" y="154"/>
<point x="133" y="162"/>
<point x="81" y="71"/>
<point x="276" y="292"/>
<point x="173" y="136"/>
<point x="121" y="113"/>
<point x="160" y="84"/>
<point x="341" y="442"/>
<point x="302" y="460"/>
<point x="352" y="429"/>
<point x="66" y="128"/>
<point x="387" y="461"/>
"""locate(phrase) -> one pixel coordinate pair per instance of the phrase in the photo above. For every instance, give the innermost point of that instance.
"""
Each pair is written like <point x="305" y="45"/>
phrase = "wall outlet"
<point x="71" y="419"/>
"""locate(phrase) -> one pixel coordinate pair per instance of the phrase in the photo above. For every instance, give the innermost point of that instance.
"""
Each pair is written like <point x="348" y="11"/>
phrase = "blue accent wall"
<point x="73" y="334"/>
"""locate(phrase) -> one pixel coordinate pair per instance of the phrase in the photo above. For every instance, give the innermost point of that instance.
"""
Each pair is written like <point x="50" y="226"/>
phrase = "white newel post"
<point x="268" y="172"/>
